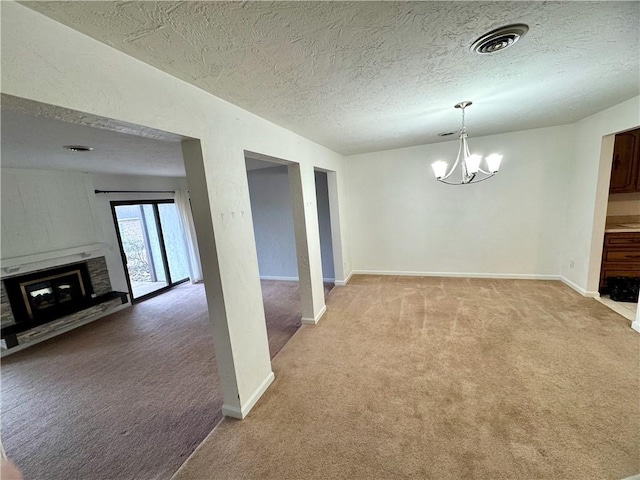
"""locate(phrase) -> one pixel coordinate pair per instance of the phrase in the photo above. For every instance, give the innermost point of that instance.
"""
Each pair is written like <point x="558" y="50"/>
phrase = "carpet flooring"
<point x="435" y="378"/>
<point x="129" y="396"/>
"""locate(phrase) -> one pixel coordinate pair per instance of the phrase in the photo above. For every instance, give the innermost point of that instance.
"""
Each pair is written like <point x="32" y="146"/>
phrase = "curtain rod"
<point x="134" y="191"/>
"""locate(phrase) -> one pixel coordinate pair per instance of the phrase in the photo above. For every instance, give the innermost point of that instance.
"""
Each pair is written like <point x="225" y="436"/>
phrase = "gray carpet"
<point x="129" y="396"/>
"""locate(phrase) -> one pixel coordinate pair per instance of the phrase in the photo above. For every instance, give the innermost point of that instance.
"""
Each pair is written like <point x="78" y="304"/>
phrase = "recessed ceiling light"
<point x="78" y="148"/>
<point x="499" y="39"/>
<point x="445" y="134"/>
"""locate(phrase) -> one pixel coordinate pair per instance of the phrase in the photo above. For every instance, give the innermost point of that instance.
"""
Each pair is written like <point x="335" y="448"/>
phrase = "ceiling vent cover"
<point x="499" y="39"/>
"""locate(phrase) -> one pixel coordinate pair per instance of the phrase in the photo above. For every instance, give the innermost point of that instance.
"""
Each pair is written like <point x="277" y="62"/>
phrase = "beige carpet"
<point x="443" y="379"/>
<point x="129" y="396"/>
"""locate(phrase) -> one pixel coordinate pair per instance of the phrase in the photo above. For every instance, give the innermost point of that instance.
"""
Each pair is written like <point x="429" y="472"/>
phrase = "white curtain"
<point x="186" y="218"/>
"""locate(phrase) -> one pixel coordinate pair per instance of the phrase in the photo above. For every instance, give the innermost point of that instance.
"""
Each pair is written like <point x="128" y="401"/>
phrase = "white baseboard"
<point x="342" y="283"/>
<point x="314" y="321"/>
<point x="243" y="410"/>
<point x="579" y="289"/>
<point x="290" y="279"/>
<point x="513" y="276"/>
<point x="282" y="279"/>
<point x="636" y="325"/>
<point x="55" y="333"/>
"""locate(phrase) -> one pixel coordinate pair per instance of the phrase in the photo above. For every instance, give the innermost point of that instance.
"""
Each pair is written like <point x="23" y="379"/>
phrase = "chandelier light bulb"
<point x="439" y="168"/>
<point x="473" y="163"/>
<point x="493" y="162"/>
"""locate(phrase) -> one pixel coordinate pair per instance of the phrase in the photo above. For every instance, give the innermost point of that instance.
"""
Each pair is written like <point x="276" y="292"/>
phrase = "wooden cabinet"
<point x="620" y="257"/>
<point x="625" y="167"/>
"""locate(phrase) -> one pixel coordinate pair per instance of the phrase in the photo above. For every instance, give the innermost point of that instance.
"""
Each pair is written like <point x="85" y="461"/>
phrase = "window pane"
<point x="174" y="241"/>
<point x="141" y="247"/>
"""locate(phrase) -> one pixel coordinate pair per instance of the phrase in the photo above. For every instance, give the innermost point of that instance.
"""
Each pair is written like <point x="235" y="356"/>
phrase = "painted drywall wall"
<point x="324" y="223"/>
<point x="588" y="192"/>
<point x="622" y="204"/>
<point x="45" y="211"/>
<point x="47" y="62"/>
<point x="105" y="217"/>
<point x="273" y="223"/>
<point x="402" y="220"/>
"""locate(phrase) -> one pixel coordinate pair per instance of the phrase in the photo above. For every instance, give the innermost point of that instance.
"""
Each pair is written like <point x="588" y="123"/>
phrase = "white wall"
<point x="273" y="222"/>
<point x="48" y="210"/>
<point x="50" y="63"/>
<point x="45" y="211"/>
<point x="324" y="224"/>
<point x="402" y="220"/>
<point x="105" y="217"/>
<point x="588" y="191"/>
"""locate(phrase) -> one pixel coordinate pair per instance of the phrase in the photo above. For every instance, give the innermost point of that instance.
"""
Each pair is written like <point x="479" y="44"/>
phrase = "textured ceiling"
<point x="36" y="142"/>
<point x="367" y="76"/>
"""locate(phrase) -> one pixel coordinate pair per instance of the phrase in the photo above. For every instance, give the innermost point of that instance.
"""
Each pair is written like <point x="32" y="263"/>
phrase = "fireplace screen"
<point x="51" y="291"/>
<point x="46" y="295"/>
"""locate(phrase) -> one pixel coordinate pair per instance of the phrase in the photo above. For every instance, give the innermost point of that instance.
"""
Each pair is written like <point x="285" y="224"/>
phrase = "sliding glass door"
<point x="152" y="246"/>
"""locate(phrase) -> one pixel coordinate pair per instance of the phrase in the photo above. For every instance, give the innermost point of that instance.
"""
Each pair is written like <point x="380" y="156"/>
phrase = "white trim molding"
<point x="579" y="289"/>
<point x="291" y="279"/>
<point x="514" y="276"/>
<point x="240" y="413"/>
<point x="282" y="279"/>
<point x="342" y="283"/>
<point x="38" y="261"/>
<point x="314" y="321"/>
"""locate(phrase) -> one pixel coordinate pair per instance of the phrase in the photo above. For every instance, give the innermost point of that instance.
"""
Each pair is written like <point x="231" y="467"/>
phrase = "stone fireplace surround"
<point x="106" y="300"/>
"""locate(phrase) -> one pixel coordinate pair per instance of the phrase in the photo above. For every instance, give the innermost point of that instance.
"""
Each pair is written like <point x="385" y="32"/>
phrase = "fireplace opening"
<point x="52" y="291"/>
<point x="44" y="296"/>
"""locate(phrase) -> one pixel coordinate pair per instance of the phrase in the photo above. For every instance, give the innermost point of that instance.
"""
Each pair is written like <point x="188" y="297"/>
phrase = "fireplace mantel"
<point x="30" y="263"/>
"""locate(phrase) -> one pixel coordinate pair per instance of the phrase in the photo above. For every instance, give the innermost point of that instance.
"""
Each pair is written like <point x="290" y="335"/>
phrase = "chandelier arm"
<point x="468" y="183"/>
<point x="486" y="173"/>
<point x="455" y="164"/>
<point x="485" y="178"/>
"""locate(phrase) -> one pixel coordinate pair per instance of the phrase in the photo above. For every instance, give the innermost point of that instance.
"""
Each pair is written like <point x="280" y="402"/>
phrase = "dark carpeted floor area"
<point x="129" y="396"/>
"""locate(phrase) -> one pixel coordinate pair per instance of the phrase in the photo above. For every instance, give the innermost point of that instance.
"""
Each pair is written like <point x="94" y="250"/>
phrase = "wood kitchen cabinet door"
<point x="626" y="163"/>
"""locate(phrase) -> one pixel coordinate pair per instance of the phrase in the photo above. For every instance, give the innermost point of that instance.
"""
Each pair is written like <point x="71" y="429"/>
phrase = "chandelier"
<point x="469" y="165"/>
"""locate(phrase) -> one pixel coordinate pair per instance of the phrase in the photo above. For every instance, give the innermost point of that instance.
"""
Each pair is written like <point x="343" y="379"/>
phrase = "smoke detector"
<point x="499" y="39"/>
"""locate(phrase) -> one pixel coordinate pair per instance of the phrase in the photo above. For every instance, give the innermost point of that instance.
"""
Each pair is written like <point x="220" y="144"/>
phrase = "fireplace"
<point x="40" y="297"/>
<point x="38" y="305"/>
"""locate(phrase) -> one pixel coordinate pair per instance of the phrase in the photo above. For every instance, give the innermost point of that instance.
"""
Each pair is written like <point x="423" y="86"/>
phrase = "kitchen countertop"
<point x="626" y="224"/>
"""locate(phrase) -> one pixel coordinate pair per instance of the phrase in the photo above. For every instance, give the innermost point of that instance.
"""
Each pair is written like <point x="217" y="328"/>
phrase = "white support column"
<point x="222" y="217"/>
<point x="336" y="229"/>
<point x="305" y="220"/>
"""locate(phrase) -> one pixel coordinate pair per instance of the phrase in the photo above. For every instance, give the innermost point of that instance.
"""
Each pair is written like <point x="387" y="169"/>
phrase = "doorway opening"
<point x="619" y="278"/>
<point x="152" y="246"/>
<point x="273" y="226"/>
<point x="324" y="227"/>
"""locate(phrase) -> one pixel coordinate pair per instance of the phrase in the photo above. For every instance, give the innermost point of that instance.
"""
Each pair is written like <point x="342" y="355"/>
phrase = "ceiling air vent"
<point x="78" y="148"/>
<point x="499" y="39"/>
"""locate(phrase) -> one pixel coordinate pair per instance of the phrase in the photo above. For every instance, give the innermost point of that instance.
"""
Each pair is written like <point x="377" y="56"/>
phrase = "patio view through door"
<point x="152" y="246"/>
